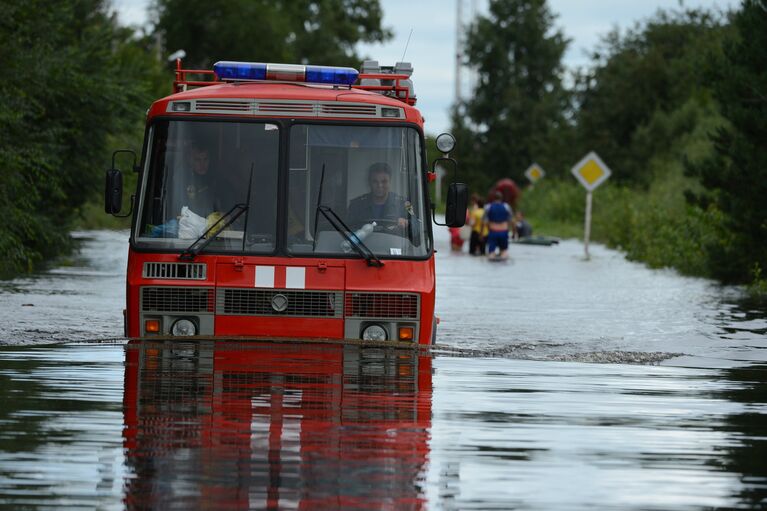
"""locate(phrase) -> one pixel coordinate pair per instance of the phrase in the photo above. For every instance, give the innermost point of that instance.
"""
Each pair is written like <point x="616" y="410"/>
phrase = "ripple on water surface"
<point x="280" y="425"/>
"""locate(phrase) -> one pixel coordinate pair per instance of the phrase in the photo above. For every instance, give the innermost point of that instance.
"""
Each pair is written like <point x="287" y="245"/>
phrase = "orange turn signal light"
<point x="406" y="333"/>
<point x="152" y="326"/>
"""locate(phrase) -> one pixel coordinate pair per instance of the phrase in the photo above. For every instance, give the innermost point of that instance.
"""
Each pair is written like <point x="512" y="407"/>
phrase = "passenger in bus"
<point x="198" y="189"/>
<point x="380" y="204"/>
<point x="193" y="203"/>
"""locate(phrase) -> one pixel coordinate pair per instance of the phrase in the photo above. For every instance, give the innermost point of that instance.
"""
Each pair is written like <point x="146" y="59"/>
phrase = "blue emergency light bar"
<point x="239" y="71"/>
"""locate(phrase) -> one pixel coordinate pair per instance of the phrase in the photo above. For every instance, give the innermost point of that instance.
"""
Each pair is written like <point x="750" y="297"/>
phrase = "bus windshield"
<point x="368" y="177"/>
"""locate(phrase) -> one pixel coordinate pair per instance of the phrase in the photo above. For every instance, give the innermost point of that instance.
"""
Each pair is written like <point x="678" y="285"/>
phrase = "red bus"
<point x="279" y="200"/>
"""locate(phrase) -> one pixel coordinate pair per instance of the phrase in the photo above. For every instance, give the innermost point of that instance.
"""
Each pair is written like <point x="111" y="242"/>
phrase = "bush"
<point x="655" y="226"/>
<point x="72" y="81"/>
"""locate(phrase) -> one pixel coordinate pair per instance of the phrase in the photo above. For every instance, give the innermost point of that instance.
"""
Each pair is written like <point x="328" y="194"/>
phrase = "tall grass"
<point x="655" y="226"/>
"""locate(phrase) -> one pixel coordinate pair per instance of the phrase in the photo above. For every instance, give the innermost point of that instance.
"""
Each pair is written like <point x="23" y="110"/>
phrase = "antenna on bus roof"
<point x="406" y="45"/>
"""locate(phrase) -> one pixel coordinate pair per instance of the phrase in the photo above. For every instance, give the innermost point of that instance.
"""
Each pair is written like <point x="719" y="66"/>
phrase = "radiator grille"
<point x="177" y="271"/>
<point x="176" y="299"/>
<point x="300" y="303"/>
<point x="382" y="305"/>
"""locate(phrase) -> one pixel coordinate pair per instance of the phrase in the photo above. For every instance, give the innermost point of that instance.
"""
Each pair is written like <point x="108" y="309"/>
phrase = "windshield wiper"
<point x="225" y="221"/>
<point x="319" y="203"/>
<point x="353" y="240"/>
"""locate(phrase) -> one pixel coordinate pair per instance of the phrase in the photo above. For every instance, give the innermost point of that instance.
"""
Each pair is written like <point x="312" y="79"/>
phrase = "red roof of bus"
<point x="286" y="91"/>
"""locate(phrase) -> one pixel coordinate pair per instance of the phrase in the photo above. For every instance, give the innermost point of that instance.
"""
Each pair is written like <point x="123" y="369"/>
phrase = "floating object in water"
<point x="537" y="240"/>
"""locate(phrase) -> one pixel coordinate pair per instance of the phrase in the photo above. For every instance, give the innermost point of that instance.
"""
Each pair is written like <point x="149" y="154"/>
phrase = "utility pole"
<point x="458" y="48"/>
<point x="472" y="69"/>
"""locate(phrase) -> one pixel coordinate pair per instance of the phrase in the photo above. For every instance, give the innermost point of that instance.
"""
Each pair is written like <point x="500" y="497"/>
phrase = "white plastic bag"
<point x="190" y="224"/>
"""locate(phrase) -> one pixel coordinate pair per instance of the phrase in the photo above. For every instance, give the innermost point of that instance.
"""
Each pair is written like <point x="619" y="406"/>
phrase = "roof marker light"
<point x="239" y="71"/>
<point x="332" y="75"/>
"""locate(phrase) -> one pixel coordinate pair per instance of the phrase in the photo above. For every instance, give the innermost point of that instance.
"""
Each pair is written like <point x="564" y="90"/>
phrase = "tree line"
<point x="675" y="106"/>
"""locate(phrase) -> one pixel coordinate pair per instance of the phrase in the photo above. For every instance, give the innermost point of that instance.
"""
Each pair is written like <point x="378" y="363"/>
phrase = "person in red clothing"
<point x="459" y="235"/>
<point x="456" y="243"/>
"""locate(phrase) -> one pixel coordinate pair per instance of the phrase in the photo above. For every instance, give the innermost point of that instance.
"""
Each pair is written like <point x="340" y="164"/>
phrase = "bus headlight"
<point x="374" y="333"/>
<point x="183" y="327"/>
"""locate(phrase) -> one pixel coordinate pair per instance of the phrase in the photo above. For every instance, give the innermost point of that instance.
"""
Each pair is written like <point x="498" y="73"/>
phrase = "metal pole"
<point x="458" y="48"/>
<point x="587" y="227"/>
<point x="473" y="73"/>
<point x="438" y="184"/>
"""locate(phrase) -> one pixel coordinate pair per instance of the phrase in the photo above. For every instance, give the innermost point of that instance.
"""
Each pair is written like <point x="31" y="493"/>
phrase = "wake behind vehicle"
<point x="279" y="200"/>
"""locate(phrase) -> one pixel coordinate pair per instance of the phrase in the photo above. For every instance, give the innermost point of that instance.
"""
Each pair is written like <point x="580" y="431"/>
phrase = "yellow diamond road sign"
<point x="534" y="172"/>
<point x="591" y="171"/>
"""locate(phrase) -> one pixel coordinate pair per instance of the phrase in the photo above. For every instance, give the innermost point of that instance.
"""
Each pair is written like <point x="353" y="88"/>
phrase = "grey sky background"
<point x="432" y="45"/>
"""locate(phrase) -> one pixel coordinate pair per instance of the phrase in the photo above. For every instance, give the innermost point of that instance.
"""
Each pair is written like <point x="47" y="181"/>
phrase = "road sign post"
<point x="590" y="172"/>
<point x="587" y="225"/>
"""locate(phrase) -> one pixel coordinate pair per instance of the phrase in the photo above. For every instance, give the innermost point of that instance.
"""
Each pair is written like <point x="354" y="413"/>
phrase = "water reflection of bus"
<point x="268" y="426"/>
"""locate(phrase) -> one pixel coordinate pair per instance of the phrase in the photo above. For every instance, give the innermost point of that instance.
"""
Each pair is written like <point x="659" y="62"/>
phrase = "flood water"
<point x="557" y="383"/>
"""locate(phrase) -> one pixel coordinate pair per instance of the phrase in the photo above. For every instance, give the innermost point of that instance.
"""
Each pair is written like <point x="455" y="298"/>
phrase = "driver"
<point x="380" y="204"/>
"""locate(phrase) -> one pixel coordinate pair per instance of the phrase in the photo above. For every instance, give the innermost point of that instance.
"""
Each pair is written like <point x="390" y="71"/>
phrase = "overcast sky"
<point x="432" y="46"/>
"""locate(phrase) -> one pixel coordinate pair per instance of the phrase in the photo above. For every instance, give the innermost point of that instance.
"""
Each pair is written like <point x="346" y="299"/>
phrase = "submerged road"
<point x="558" y="383"/>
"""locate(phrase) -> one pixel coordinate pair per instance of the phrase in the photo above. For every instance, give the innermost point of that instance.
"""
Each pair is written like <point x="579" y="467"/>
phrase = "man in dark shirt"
<point x="380" y="204"/>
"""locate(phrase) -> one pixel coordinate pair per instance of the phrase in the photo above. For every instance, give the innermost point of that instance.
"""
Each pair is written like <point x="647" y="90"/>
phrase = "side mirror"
<point x="455" y="207"/>
<point x="113" y="189"/>
<point x="113" y="192"/>
<point x="457" y="193"/>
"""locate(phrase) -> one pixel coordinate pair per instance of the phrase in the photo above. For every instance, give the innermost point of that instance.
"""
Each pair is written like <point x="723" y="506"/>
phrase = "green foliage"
<point x="64" y="95"/>
<point x="467" y="153"/>
<point x="655" y="67"/>
<point x="77" y="85"/>
<point x="758" y="285"/>
<point x="555" y="200"/>
<point x="652" y="224"/>
<point x="648" y="105"/>
<point x="519" y="101"/>
<point x="300" y="31"/>
<point x="735" y="177"/>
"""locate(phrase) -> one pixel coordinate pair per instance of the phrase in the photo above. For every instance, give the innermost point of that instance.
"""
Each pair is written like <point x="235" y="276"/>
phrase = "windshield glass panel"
<point x="369" y="177"/>
<point x="197" y="172"/>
